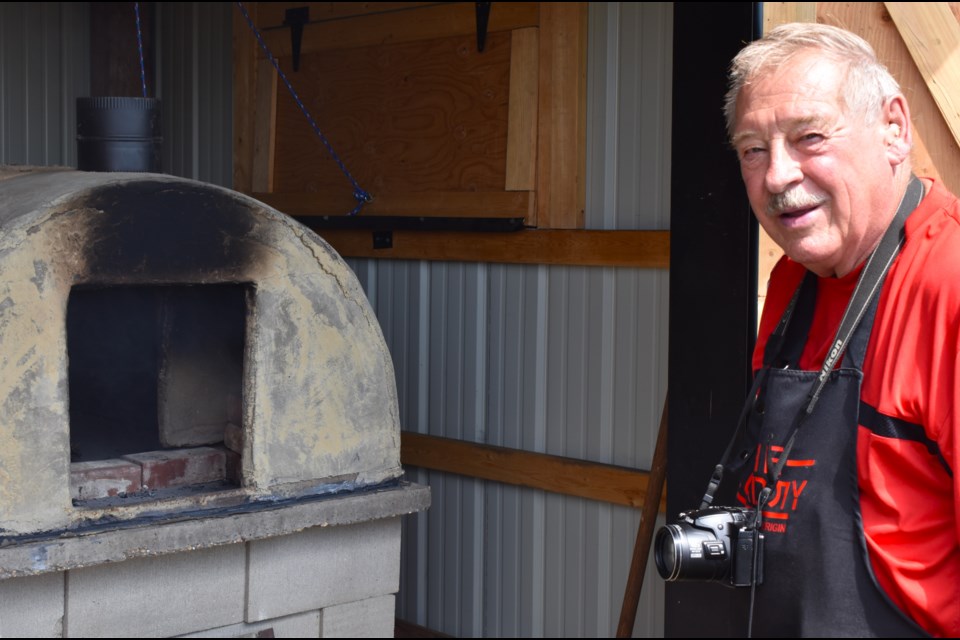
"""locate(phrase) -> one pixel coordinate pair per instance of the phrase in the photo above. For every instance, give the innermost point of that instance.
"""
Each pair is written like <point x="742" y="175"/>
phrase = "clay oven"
<point x="192" y="386"/>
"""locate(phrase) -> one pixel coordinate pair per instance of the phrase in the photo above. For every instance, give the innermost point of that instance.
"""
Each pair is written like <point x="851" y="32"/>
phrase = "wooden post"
<point x="648" y="519"/>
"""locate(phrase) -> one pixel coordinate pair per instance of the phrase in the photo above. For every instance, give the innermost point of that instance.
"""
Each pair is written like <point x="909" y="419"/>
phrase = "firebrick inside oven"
<point x="184" y="370"/>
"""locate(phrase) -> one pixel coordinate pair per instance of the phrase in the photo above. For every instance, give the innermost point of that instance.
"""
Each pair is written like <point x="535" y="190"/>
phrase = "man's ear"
<point x="898" y="130"/>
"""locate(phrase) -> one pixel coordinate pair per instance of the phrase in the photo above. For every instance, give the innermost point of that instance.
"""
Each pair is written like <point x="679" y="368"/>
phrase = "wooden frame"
<point x="545" y="157"/>
<point x="638" y="249"/>
<point x="546" y="137"/>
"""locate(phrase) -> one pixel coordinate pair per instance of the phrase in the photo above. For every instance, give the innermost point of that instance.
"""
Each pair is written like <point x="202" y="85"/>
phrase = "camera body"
<point x="714" y="544"/>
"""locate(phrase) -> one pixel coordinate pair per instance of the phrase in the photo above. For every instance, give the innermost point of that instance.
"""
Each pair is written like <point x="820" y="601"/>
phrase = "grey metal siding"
<point x="44" y="68"/>
<point x="563" y="360"/>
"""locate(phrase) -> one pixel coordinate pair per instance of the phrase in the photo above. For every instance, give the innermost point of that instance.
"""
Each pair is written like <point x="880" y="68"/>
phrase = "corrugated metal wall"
<point x="563" y="360"/>
<point x="196" y="89"/>
<point x="44" y="68"/>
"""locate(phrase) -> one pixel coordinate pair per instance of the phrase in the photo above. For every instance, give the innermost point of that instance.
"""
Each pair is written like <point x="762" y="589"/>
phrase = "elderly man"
<point x="849" y="441"/>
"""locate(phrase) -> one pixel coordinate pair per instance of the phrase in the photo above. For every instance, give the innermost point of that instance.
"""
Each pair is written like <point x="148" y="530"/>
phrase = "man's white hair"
<point x="868" y="83"/>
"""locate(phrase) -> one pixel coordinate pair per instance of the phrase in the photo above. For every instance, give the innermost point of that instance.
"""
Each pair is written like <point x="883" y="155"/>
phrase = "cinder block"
<point x="160" y="596"/>
<point x="302" y="625"/>
<point x="103" y="478"/>
<point x="372" y="618"/>
<point x="321" y="567"/>
<point x="180" y="467"/>
<point x="32" y="606"/>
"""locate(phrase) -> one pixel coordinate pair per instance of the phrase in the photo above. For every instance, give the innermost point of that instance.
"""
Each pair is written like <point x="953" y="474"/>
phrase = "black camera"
<point x="713" y="544"/>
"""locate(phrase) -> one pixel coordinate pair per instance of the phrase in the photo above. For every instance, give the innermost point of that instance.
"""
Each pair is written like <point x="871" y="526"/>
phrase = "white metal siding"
<point x="563" y="360"/>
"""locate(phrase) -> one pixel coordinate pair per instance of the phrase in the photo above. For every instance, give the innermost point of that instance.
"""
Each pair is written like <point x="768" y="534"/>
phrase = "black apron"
<point x="817" y="578"/>
<point x="794" y="454"/>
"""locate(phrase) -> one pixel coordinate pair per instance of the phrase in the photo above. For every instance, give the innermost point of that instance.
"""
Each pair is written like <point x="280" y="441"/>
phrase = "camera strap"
<point x="867" y="288"/>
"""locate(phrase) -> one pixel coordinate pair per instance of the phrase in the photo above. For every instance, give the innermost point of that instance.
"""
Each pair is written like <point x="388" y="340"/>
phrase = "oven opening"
<point x="156" y="388"/>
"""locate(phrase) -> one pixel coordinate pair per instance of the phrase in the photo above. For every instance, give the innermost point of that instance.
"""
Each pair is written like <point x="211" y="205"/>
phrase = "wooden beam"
<point x="568" y="476"/>
<point x="113" y="38"/>
<point x="932" y="35"/>
<point x="272" y="14"/>
<point x="440" y="20"/>
<point x="561" y="149"/>
<point x="637" y="249"/>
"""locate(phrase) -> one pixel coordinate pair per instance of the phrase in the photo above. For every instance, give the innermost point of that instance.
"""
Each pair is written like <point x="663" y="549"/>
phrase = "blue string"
<point x="359" y="194"/>
<point x="143" y="72"/>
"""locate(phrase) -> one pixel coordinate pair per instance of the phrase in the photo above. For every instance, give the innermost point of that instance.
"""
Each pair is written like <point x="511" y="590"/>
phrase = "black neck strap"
<point x="868" y="286"/>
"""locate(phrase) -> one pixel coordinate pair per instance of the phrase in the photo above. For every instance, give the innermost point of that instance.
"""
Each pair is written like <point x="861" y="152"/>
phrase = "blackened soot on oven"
<point x="168" y="230"/>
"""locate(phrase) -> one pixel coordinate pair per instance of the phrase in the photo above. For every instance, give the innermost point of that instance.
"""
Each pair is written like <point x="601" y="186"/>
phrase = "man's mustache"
<point x="793" y="200"/>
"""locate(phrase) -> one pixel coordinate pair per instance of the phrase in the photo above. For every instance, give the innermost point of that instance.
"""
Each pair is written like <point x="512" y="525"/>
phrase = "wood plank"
<point x="446" y="204"/>
<point x="244" y="95"/>
<point x="265" y="135"/>
<point x="568" y="476"/>
<point x="932" y="36"/>
<point x="935" y="153"/>
<point x="113" y="38"/>
<point x="636" y="249"/>
<point x="561" y="148"/>
<point x="777" y="13"/>
<point x="272" y="14"/>
<point x="422" y="23"/>
<point x="522" y="122"/>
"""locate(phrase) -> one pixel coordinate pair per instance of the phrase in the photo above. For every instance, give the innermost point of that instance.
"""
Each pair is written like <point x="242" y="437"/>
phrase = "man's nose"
<point x="783" y="170"/>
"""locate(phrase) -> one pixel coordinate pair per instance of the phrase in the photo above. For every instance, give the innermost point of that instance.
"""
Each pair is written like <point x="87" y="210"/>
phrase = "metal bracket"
<point x="483" y="19"/>
<point x="383" y="239"/>
<point x="295" y="19"/>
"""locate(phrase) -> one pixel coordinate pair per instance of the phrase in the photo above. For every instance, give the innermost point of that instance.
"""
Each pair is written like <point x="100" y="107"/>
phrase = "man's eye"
<point x="750" y="152"/>
<point x="811" y="137"/>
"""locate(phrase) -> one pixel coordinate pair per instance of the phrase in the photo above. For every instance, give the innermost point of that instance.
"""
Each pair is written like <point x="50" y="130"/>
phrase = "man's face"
<point x="815" y="172"/>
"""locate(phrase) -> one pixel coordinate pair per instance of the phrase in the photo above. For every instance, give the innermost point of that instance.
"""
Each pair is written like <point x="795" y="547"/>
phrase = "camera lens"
<point x="693" y="551"/>
<point x="667" y="551"/>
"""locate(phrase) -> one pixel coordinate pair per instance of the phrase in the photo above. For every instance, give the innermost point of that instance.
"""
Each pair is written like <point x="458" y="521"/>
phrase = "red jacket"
<point x="909" y="489"/>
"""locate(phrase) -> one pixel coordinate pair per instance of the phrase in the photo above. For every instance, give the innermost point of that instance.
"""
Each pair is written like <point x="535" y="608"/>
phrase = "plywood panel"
<point x="413" y="117"/>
